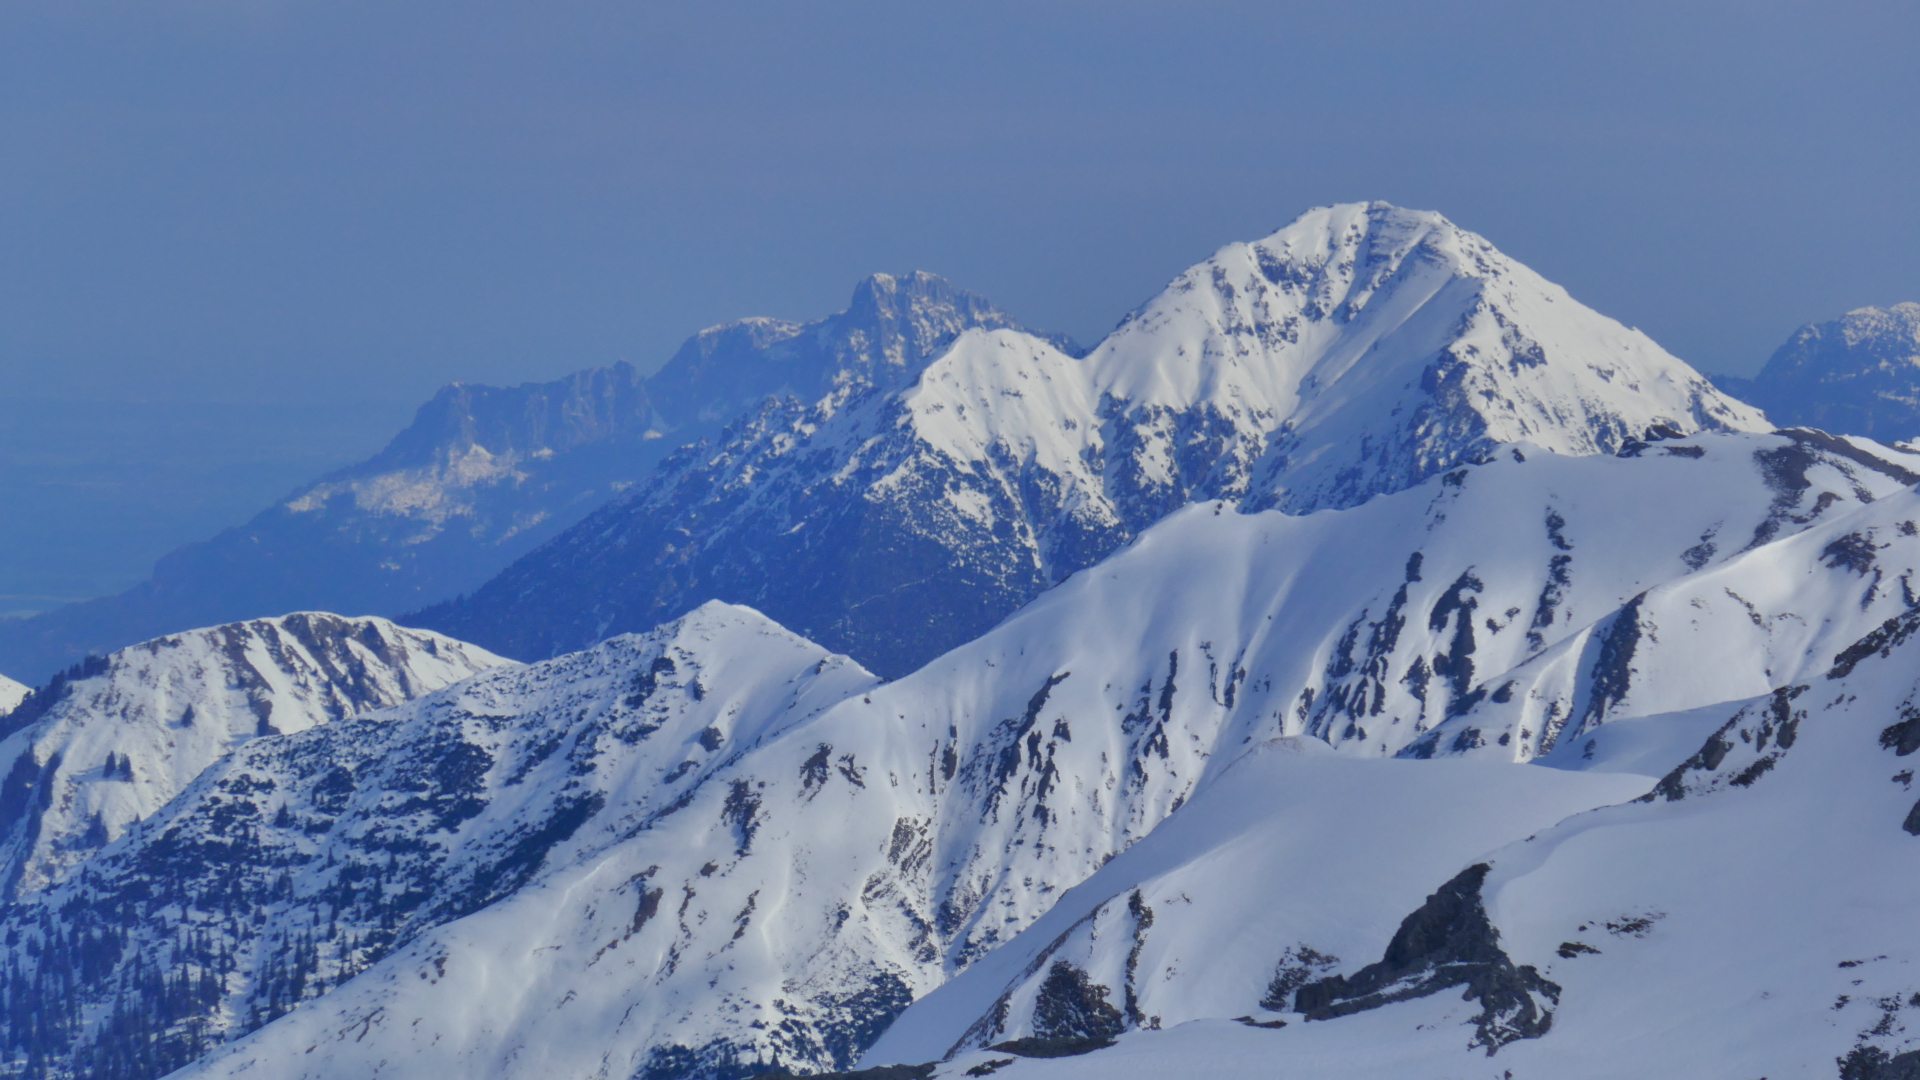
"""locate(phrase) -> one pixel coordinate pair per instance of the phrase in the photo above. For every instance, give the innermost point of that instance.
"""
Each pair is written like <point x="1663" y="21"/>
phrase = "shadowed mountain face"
<point x="485" y="474"/>
<point x="1362" y="349"/>
<point x="1858" y="374"/>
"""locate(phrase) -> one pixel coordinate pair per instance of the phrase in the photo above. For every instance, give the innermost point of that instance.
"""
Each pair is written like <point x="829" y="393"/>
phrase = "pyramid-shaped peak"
<point x="1391" y="344"/>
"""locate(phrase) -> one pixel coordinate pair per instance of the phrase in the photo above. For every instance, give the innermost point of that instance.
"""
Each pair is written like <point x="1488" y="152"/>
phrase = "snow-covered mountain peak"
<point x="1379" y="346"/>
<point x="11" y="694"/>
<point x="1901" y="321"/>
<point x="112" y="740"/>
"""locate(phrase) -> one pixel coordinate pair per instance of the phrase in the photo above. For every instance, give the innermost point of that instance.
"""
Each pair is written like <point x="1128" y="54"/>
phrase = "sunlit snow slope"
<point x="12" y="693"/>
<point x="1750" y="916"/>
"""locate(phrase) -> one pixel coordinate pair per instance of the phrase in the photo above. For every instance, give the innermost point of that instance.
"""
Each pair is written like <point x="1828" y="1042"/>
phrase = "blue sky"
<point x="207" y="204"/>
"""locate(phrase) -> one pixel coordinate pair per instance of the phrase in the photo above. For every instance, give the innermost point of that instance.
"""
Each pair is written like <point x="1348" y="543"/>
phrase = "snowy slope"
<point x="113" y="740"/>
<point x="1751" y="916"/>
<point x="484" y="474"/>
<point x="11" y="694"/>
<point x="1767" y="616"/>
<point x="1294" y="859"/>
<point x="1362" y="349"/>
<point x="811" y="887"/>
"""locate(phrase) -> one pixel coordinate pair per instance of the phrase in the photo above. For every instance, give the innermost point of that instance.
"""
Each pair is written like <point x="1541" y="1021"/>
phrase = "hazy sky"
<point x="338" y="202"/>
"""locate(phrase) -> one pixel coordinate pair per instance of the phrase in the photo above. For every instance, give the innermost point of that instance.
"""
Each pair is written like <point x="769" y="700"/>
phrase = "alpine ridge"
<point x="1360" y="350"/>
<point x="1690" y="931"/>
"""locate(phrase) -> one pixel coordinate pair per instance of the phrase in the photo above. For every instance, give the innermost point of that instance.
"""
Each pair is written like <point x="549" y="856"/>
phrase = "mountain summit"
<point x="1374" y="347"/>
<point x="1362" y="349"/>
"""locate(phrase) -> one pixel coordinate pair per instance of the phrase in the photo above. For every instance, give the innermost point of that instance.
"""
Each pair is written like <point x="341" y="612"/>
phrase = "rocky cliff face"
<point x="1362" y="349"/>
<point x="485" y="474"/>
<point x="1858" y="374"/>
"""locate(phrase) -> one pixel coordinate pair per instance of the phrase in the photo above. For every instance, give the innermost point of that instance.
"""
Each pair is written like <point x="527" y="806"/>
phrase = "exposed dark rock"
<point x="1612" y="674"/>
<point x="1873" y="1063"/>
<point x="1447" y="942"/>
<point x="1854" y="551"/>
<point x="1903" y="738"/>
<point x="1051" y="1048"/>
<point x="1072" y="1008"/>
<point x="1881" y="642"/>
<point x="1298" y="966"/>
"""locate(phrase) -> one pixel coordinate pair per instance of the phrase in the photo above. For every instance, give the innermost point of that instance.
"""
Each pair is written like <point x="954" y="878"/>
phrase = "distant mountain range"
<point x="1858" y="374"/>
<point x="486" y="474"/>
